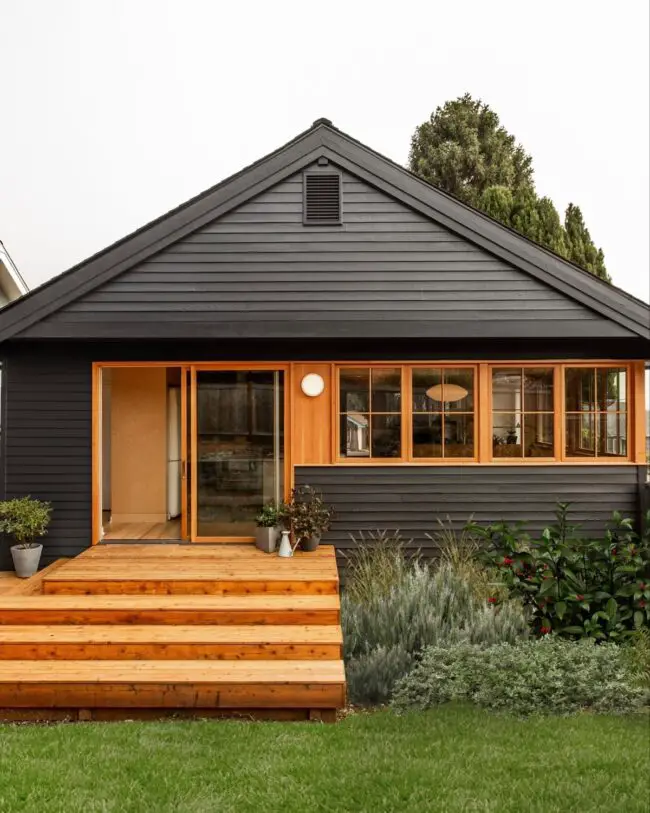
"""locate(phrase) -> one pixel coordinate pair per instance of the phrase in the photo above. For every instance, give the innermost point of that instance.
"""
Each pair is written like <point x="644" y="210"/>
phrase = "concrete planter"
<point x="311" y="543"/>
<point x="26" y="560"/>
<point x="266" y="539"/>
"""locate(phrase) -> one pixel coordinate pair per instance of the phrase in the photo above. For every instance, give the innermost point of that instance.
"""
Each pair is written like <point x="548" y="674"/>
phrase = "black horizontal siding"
<point x="47" y="441"/>
<point x="412" y="499"/>
<point x="386" y="271"/>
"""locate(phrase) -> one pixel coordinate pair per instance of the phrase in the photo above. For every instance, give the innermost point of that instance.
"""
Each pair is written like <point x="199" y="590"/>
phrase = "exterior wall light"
<point x="312" y="385"/>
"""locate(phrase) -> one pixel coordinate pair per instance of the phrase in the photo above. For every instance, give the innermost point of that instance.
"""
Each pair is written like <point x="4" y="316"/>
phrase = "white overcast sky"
<point x="113" y="112"/>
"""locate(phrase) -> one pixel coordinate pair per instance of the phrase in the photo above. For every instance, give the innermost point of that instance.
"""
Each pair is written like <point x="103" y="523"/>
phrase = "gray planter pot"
<point x="266" y="539"/>
<point x="310" y="544"/>
<point x="26" y="560"/>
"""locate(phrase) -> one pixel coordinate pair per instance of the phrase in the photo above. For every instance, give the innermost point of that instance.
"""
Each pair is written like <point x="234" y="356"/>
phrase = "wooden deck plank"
<point x="119" y="642"/>
<point x="189" y="551"/>
<point x="191" y="587"/>
<point x="172" y="684"/>
<point x="34" y="584"/>
<point x="257" y="609"/>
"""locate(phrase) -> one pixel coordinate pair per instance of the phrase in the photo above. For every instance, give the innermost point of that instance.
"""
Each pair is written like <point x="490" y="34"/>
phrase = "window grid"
<point x="444" y="412"/>
<point x="594" y="416"/>
<point x="523" y="412"/>
<point x="483" y="412"/>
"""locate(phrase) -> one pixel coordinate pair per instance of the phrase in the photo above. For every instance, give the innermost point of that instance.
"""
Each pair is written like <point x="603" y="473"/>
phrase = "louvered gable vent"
<point x="322" y="198"/>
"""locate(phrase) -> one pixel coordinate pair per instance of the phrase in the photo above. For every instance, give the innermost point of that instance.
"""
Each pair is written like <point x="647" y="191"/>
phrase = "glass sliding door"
<point x="238" y="443"/>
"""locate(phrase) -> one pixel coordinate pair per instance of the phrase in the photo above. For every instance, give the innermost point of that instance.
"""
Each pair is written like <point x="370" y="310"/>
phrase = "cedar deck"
<point x="141" y="630"/>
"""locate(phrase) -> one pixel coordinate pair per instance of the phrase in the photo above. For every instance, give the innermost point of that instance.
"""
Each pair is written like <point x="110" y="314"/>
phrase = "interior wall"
<point x="139" y="444"/>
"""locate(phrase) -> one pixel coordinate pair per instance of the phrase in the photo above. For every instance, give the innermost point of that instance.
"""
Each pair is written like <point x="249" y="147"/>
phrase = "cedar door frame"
<point x="190" y="368"/>
<point x="483" y="416"/>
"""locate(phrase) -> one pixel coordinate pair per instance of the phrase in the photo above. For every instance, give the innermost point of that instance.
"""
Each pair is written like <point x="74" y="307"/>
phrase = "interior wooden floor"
<point x="143" y="530"/>
<point x="157" y="629"/>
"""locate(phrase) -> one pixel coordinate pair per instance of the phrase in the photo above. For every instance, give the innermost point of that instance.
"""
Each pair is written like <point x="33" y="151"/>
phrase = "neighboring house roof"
<point x="324" y="140"/>
<point x="12" y="285"/>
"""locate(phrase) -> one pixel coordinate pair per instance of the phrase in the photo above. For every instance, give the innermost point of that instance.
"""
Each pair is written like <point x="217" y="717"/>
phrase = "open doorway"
<point x="141" y="467"/>
<point x="187" y="453"/>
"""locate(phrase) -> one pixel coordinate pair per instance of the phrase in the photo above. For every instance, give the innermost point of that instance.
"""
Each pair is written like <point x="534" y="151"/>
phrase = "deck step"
<point x="210" y="576"/>
<point x="164" y="609"/>
<point x="125" y="642"/>
<point x="172" y="684"/>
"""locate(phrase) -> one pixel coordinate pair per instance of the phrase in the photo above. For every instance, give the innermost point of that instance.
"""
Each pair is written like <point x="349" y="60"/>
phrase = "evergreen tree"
<point x="463" y="150"/>
<point x="581" y="249"/>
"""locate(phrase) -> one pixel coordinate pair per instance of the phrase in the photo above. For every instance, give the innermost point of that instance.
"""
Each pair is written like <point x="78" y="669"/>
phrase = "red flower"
<point x="545" y="630"/>
<point x="642" y="586"/>
<point x="613" y="551"/>
<point x="492" y="600"/>
<point x="507" y="560"/>
<point x="642" y="603"/>
<point x="580" y="597"/>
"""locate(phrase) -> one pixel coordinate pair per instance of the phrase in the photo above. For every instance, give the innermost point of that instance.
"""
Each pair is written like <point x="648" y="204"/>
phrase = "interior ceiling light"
<point x="447" y="393"/>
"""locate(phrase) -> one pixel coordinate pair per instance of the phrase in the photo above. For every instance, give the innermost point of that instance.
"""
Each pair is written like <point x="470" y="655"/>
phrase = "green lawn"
<point x="454" y="759"/>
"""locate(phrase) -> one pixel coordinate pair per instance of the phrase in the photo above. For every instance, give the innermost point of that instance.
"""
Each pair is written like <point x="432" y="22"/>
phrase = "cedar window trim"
<point x="483" y="418"/>
<point x="630" y="415"/>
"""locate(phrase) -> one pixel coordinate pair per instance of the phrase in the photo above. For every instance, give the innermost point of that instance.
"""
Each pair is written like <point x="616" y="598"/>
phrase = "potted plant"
<point x="309" y="516"/>
<point x="268" y="523"/>
<point x="26" y="520"/>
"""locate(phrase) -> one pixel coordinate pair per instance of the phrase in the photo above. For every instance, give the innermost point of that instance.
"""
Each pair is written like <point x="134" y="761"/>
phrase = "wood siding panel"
<point x="412" y="498"/>
<point x="47" y="442"/>
<point x="386" y="271"/>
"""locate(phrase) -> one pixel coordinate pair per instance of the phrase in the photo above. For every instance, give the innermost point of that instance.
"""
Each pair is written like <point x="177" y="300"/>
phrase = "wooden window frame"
<point x="336" y="415"/>
<point x="443" y="461"/>
<point x="630" y="414"/>
<point x="557" y="415"/>
<point x="483" y="414"/>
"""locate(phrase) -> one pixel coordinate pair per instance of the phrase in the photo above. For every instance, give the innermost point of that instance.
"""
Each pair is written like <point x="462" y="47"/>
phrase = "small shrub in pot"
<point x="27" y="520"/>
<point x="309" y="516"/>
<point x="269" y="522"/>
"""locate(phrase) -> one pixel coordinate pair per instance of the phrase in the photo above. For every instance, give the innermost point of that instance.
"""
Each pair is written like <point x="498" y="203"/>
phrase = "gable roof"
<point x="322" y="139"/>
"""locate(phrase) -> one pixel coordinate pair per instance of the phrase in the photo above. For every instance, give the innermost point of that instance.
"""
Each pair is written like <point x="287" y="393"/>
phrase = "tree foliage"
<point x="465" y="151"/>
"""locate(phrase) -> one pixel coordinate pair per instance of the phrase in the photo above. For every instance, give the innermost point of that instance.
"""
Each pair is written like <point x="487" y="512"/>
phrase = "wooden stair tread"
<point x="192" y="552"/>
<point x="190" y="602"/>
<point x="177" y="672"/>
<point x="190" y="634"/>
<point x="34" y="584"/>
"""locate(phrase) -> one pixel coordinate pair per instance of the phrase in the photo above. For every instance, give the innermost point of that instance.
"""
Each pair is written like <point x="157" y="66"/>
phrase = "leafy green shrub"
<point x="272" y="515"/>
<point x="551" y="676"/>
<point x="594" y="588"/>
<point x="308" y="513"/>
<point x="26" y="519"/>
<point x="385" y="632"/>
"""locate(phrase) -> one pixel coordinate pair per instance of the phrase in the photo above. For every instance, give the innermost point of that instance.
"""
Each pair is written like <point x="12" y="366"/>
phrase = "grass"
<point x="451" y="759"/>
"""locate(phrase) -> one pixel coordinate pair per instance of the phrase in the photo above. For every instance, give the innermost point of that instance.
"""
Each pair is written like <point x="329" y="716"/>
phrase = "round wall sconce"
<point x="312" y="385"/>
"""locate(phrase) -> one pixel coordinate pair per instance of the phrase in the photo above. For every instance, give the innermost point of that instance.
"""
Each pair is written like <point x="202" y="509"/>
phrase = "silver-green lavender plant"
<point x="385" y="635"/>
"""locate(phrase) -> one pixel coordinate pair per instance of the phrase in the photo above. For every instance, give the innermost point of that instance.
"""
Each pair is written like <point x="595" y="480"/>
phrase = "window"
<point x="484" y="412"/>
<point x="522" y="412"/>
<point x="596" y="411"/>
<point x="443" y="412"/>
<point x="370" y="408"/>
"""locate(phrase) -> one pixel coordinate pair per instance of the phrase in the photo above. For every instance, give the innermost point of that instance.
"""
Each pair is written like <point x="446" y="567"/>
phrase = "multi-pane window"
<point x="522" y="412"/>
<point x="518" y="412"/>
<point x="443" y="412"/>
<point x="596" y="411"/>
<point x="370" y="412"/>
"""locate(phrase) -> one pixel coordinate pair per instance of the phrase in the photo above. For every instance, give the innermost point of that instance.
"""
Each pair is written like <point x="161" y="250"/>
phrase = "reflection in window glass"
<point x="522" y="412"/>
<point x="443" y="412"/>
<point x="370" y="412"/>
<point x="596" y="411"/>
